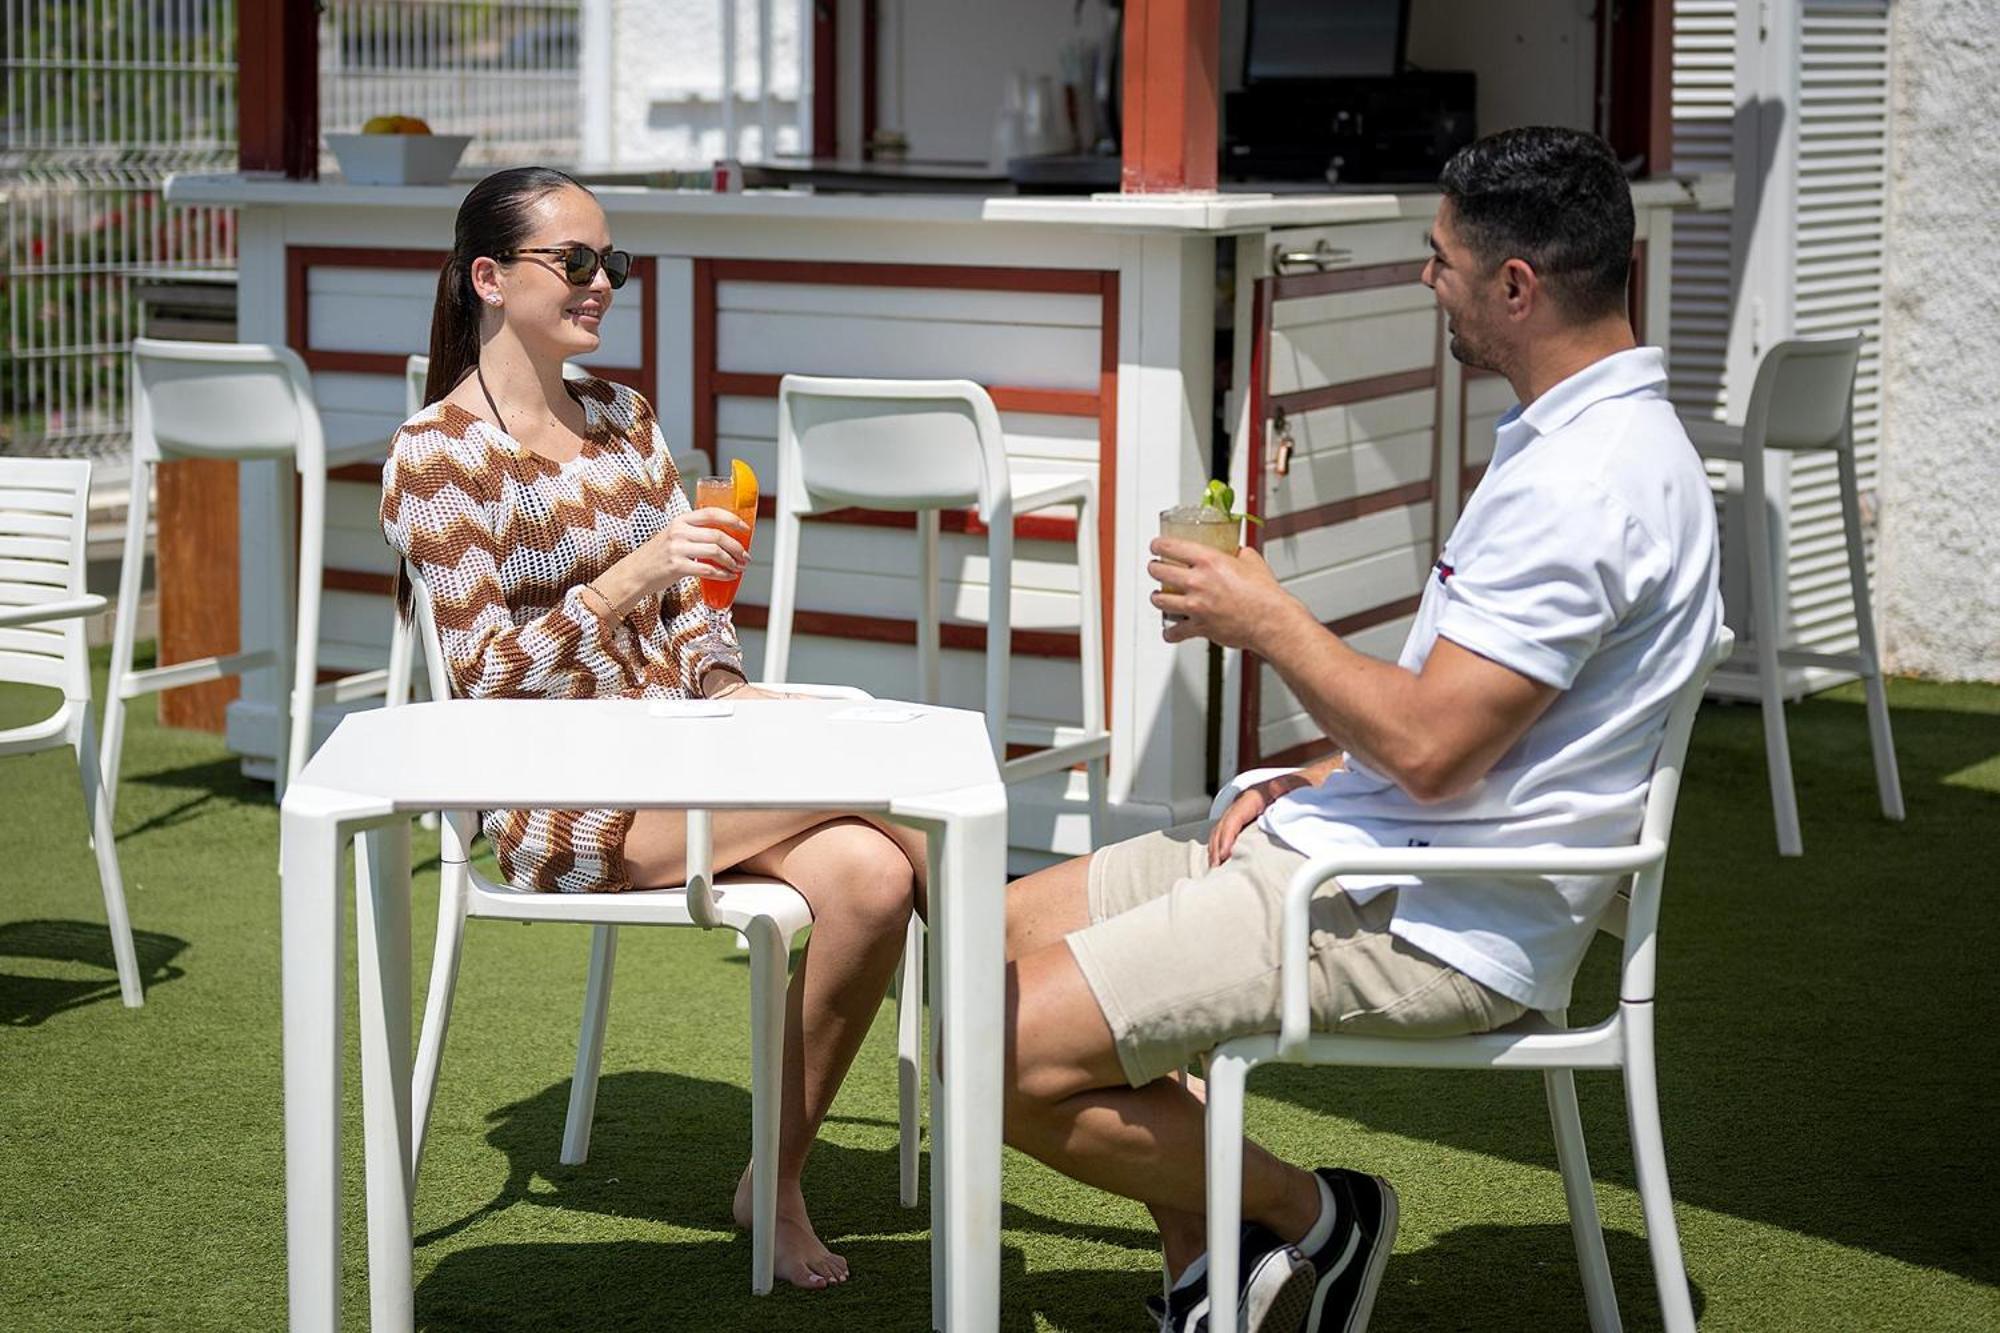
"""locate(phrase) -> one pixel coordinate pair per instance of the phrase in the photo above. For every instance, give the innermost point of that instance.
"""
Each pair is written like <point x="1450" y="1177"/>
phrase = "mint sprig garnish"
<point x="1221" y="497"/>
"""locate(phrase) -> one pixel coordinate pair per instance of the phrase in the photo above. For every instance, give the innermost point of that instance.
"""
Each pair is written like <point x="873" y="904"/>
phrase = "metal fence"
<point x="103" y="99"/>
<point x="503" y="71"/>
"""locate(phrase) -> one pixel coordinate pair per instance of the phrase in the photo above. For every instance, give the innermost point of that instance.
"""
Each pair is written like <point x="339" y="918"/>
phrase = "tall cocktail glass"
<point x="720" y="493"/>
<point x="1204" y="524"/>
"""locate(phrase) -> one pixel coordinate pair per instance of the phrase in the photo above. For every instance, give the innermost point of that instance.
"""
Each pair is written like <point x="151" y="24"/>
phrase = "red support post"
<point x="1171" y="113"/>
<point x="277" y="94"/>
<point x="1642" y="74"/>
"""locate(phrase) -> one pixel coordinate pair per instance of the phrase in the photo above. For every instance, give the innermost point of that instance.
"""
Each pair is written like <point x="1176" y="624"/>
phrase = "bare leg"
<point x="860" y="885"/>
<point x="1069" y="1106"/>
<point x="1047" y="905"/>
<point x="656" y="847"/>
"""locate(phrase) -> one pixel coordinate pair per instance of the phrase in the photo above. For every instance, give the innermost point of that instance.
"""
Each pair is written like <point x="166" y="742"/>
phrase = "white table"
<point x="379" y="768"/>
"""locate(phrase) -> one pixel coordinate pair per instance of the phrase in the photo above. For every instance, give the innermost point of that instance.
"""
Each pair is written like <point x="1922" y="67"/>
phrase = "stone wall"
<point x="1938" y="591"/>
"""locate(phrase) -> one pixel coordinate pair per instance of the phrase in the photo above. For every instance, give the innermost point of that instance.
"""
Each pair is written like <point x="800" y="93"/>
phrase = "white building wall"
<point x="1939" y="601"/>
<point x="667" y="76"/>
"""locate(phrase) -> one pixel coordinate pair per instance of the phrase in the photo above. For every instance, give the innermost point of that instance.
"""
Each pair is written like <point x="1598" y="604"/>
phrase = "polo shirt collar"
<point x="1614" y="376"/>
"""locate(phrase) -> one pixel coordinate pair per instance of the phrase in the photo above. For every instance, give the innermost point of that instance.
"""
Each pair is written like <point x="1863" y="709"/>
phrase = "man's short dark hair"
<point x="1554" y="198"/>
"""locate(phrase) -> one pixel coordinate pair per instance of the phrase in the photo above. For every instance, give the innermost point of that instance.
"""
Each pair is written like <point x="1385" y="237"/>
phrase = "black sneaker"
<point x="1350" y="1264"/>
<point x="1274" y="1291"/>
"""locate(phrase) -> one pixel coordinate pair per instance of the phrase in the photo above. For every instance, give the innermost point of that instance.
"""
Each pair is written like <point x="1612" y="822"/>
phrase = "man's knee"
<point x="1057" y="1042"/>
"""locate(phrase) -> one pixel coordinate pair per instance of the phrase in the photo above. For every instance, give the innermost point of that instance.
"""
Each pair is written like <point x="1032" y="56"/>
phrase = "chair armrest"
<point x="70" y="607"/>
<point x="1295" y="1015"/>
<point x="1241" y="783"/>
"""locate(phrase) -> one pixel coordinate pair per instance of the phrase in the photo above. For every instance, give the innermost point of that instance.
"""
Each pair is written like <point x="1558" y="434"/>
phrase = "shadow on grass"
<point x="705" y="1285"/>
<point x="668" y="1149"/>
<point x="219" y="780"/>
<point x="1825" y="1063"/>
<point x="1449" y="1284"/>
<point x="26" y="1001"/>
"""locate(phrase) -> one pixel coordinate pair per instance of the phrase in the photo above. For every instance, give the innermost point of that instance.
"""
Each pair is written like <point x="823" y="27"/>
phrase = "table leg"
<point x="310" y="923"/>
<point x="382" y="926"/>
<point x="968" y="924"/>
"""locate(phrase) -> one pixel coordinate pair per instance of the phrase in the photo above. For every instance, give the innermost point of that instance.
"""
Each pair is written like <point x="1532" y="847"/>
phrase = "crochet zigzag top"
<point x="504" y="540"/>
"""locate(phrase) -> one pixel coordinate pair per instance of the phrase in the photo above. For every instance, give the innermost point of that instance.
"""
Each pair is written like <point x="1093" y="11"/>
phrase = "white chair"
<point x="44" y="511"/>
<point x="923" y="446"/>
<point x="769" y="914"/>
<point x="237" y="401"/>
<point x="1623" y="1041"/>
<point x="1803" y="399"/>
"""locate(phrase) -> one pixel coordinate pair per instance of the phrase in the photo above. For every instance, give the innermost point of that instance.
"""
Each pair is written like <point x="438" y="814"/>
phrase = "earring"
<point x="493" y="298"/>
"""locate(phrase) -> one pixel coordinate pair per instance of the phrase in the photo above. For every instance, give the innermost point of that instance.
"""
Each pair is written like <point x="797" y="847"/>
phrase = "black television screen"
<point x="1323" y="39"/>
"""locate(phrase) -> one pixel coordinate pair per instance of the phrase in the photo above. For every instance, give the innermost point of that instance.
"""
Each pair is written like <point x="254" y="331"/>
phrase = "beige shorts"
<point x="1182" y="955"/>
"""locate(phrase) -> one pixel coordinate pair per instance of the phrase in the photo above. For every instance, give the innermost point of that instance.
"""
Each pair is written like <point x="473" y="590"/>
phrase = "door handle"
<point x="1320" y="258"/>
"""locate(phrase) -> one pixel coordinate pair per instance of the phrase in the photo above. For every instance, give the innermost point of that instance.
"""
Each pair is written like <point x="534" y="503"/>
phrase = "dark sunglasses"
<point x="580" y="263"/>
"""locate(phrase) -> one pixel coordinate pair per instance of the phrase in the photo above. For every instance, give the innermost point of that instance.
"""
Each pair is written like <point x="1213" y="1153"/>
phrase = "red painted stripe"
<point x="882" y="629"/>
<point x="1027" y="527"/>
<point x="974" y="277"/>
<point x="1346" y="511"/>
<point x="1352" y="391"/>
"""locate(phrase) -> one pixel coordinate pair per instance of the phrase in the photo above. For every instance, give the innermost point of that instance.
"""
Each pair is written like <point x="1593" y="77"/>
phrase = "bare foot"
<point x="802" y="1259"/>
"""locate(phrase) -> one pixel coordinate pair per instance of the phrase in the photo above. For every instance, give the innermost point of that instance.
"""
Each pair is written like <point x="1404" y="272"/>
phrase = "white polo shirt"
<point x="1586" y="559"/>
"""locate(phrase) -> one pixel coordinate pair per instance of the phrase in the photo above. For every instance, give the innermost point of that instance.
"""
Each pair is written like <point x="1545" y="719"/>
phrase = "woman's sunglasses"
<point x="580" y="263"/>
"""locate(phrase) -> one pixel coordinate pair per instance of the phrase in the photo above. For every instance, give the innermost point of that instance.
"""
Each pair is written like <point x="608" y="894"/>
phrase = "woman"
<point x="548" y="523"/>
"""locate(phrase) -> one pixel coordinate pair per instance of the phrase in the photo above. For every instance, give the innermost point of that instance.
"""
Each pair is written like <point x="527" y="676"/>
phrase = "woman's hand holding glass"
<point x="704" y="543"/>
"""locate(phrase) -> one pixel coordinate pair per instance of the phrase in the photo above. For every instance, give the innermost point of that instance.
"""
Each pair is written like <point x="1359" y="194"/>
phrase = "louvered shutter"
<point x="1704" y="120"/>
<point x="1840" y="200"/>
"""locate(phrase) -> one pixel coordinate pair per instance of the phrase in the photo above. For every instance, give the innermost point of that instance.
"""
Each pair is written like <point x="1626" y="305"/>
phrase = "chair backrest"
<point x="1803" y="396"/>
<point x="457" y="827"/>
<point x="44" y="513"/>
<point x="1642" y="917"/>
<point x="223" y="400"/>
<point x="890" y="444"/>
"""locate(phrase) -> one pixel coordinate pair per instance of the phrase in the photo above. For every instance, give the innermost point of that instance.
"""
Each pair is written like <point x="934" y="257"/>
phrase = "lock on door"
<point x="1281" y="456"/>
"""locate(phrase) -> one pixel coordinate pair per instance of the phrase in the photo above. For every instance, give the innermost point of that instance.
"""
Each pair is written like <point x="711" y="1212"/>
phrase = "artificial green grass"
<point x="1828" y="1077"/>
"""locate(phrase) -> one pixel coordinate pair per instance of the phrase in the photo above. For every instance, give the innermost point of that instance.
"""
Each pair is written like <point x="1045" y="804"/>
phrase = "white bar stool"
<point x="923" y="446"/>
<point x="237" y="401"/>
<point x="1803" y="399"/>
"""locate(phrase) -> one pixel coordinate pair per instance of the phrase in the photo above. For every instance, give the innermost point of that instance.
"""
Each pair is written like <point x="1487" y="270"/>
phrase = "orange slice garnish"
<point x="746" y="486"/>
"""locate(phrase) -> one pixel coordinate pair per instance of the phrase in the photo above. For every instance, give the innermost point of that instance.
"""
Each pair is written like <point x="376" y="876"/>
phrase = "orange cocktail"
<point x="736" y="492"/>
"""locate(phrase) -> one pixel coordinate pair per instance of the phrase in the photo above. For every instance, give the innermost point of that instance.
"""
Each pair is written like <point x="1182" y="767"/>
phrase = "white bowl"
<point x="397" y="159"/>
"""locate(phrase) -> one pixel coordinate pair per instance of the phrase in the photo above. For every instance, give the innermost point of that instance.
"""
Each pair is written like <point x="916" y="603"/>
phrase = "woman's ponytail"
<point x="454" y="328"/>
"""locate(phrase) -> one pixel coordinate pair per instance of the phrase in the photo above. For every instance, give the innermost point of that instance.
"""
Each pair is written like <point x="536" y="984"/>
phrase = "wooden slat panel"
<point x="195" y="512"/>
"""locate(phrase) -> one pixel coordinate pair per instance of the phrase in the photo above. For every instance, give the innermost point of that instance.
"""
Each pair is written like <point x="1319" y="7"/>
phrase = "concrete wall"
<point x="1938" y="596"/>
<point x="667" y="77"/>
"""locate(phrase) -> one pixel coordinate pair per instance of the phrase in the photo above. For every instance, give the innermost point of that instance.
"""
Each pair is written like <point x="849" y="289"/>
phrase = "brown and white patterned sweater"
<point x="505" y="540"/>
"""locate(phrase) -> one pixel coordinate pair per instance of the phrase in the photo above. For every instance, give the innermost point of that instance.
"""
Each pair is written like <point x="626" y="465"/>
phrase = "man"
<point x="1576" y="594"/>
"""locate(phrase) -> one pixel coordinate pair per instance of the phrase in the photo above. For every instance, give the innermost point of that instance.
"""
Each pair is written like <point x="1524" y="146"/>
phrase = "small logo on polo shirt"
<point x="1444" y="571"/>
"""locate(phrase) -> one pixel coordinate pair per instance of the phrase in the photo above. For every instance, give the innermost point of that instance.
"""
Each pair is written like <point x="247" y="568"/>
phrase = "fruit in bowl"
<point x="397" y="150"/>
<point x="395" y="125"/>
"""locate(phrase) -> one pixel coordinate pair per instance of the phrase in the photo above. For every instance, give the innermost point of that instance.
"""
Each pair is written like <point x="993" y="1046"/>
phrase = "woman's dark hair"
<point x="1555" y="198"/>
<point x="493" y="220"/>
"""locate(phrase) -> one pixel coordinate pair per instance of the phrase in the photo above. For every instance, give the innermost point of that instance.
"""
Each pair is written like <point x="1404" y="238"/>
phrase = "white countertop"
<point x="1213" y="213"/>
